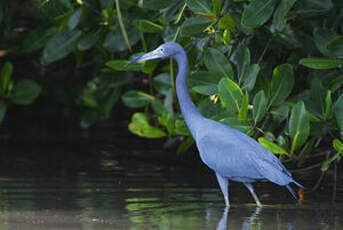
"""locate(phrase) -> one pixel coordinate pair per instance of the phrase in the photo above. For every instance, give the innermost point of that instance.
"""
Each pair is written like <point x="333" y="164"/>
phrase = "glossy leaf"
<point x="136" y="99"/>
<point x="282" y="83"/>
<point x="37" y="38"/>
<point x="236" y="124"/>
<point x="299" y="125"/>
<point x="25" y="92"/>
<point x="74" y="19"/>
<point x="318" y="96"/>
<point x="230" y="95"/>
<point x="258" y="12"/>
<point x="60" y="46"/>
<point x="195" y="26"/>
<point x="322" y="37"/>
<point x="88" y="41"/>
<point x="115" y="41"/>
<point x="272" y="147"/>
<point x="140" y="126"/>
<point x="339" y="112"/>
<point x="241" y="58"/>
<point x="320" y="63"/>
<point x="328" y="105"/>
<point x="327" y="163"/>
<point x="147" y="26"/>
<point x="337" y="145"/>
<point x="6" y="75"/>
<point x="154" y="4"/>
<point x="250" y="77"/>
<point x="335" y="46"/>
<point x="121" y="65"/>
<point x="260" y="105"/>
<point x="215" y="61"/>
<point x="204" y="82"/>
<point x="243" y="111"/>
<point x="280" y="14"/>
<point x="200" y="6"/>
<point x="226" y="22"/>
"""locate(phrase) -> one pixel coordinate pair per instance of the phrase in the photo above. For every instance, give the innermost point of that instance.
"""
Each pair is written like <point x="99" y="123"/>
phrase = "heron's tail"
<point x="292" y="191"/>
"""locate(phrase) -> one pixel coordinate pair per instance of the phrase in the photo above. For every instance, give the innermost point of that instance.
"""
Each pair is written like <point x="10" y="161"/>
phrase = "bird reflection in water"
<point x="222" y="224"/>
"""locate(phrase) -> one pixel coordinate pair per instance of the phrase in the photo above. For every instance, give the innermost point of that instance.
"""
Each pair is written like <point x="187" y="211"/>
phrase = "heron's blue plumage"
<point x="227" y="151"/>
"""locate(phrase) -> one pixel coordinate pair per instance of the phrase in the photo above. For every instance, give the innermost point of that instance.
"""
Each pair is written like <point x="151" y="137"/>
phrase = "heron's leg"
<point x="224" y="186"/>
<point x="251" y="189"/>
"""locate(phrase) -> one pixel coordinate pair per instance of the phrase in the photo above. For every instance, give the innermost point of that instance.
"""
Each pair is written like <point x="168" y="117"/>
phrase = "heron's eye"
<point x="162" y="49"/>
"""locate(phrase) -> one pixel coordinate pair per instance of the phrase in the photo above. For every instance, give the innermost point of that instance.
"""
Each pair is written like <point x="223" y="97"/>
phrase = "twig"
<point x="264" y="51"/>
<point x="306" y="168"/>
<point x="91" y="7"/>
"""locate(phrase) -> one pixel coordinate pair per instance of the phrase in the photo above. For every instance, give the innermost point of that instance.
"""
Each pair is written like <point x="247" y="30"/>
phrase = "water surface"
<point x="140" y="195"/>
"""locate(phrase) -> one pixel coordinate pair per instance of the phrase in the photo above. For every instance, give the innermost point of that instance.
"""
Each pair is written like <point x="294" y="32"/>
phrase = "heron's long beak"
<point x="148" y="56"/>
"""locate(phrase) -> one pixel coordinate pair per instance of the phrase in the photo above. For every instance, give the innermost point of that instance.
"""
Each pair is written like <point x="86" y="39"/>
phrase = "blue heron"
<point x="231" y="154"/>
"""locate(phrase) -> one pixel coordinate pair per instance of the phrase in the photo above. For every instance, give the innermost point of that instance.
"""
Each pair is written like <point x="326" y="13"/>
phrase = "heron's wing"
<point x="227" y="157"/>
<point x="234" y="156"/>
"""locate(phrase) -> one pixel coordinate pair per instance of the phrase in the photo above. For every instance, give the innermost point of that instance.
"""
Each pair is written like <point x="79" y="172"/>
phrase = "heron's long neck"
<point x="188" y="109"/>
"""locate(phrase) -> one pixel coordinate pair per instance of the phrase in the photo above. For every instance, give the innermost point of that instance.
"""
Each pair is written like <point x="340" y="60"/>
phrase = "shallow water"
<point x="140" y="195"/>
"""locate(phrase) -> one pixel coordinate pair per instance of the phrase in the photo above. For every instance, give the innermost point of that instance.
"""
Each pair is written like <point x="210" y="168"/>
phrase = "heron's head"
<point x="165" y="50"/>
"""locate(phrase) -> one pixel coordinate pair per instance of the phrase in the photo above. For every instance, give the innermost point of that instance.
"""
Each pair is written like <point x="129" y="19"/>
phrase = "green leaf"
<point x="335" y="46"/>
<point x="25" y="92"/>
<point x="6" y="75"/>
<point x="338" y="145"/>
<point x="200" y="6"/>
<point x="227" y="23"/>
<point x="204" y="82"/>
<point x="181" y="128"/>
<point x="115" y="41"/>
<point x="299" y="125"/>
<point x="154" y="4"/>
<point x="258" y="12"/>
<point x="217" y="7"/>
<point x="321" y="63"/>
<point x="136" y="99"/>
<point x="59" y="46"/>
<point x="327" y="163"/>
<point x="280" y="14"/>
<point x="140" y="126"/>
<point x="328" y="105"/>
<point x="37" y="38"/>
<point x="74" y="19"/>
<point x="282" y="84"/>
<point x="250" y="77"/>
<point x="322" y="37"/>
<point x="88" y="41"/>
<point x="184" y="146"/>
<point x="215" y="61"/>
<point x="230" y="95"/>
<point x="311" y="8"/>
<point x="3" y="109"/>
<point x="233" y="122"/>
<point x="194" y="27"/>
<point x="339" y="112"/>
<point x="243" y="112"/>
<point x="241" y="58"/>
<point x="260" y="105"/>
<point x="318" y="96"/>
<point x="147" y="26"/>
<point x="272" y="147"/>
<point x="162" y="83"/>
<point x="121" y="65"/>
